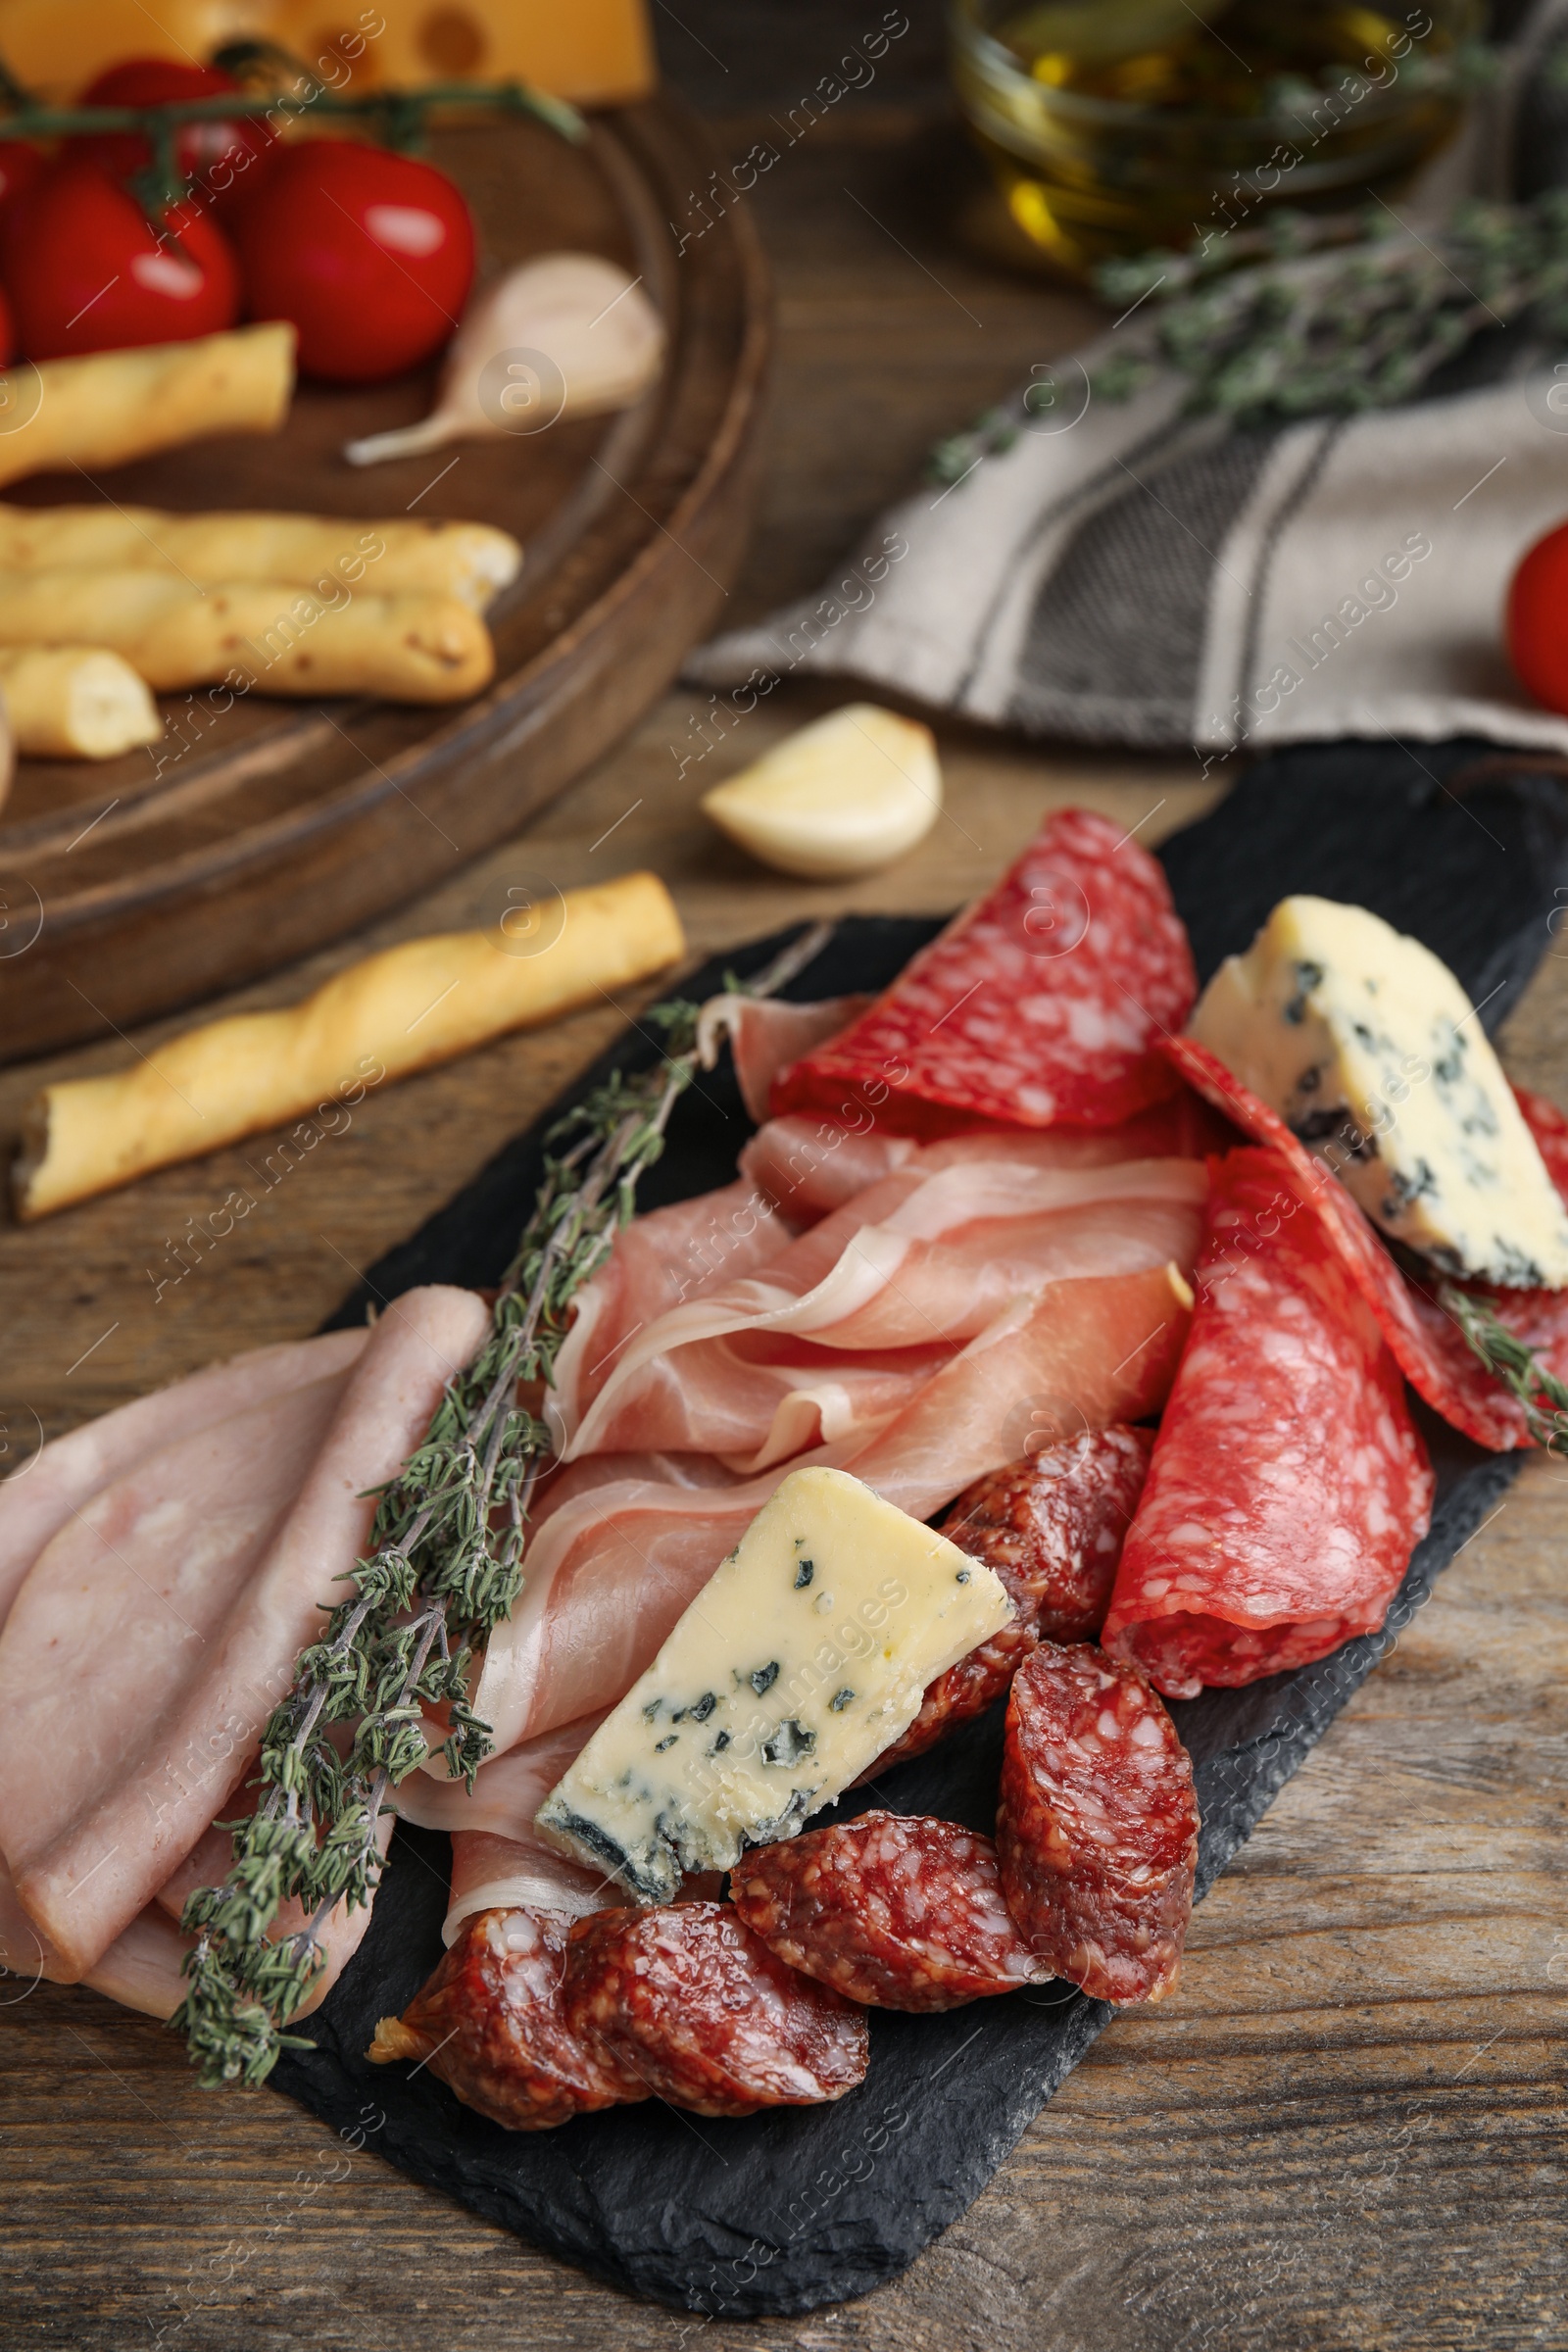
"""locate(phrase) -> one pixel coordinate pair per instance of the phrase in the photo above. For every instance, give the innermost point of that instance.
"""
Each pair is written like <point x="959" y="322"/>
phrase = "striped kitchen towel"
<point x="1125" y="574"/>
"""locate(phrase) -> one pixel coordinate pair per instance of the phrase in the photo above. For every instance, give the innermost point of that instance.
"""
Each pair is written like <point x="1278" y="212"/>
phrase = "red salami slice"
<point x="686" y="2004"/>
<point x="491" y="2023"/>
<point x="1038" y="1006"/>
<point x="1428" y="1346"/>
<point x="1052" y="1528"/>
<point x="1097" y="1833"/>
<point x="895" y="1910"/>
<point x="1288" y="1485"/>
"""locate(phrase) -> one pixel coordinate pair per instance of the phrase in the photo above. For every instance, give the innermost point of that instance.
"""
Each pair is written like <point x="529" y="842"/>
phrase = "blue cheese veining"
<point x="1370" y="1050"/>
<point x="804" y="1656"/>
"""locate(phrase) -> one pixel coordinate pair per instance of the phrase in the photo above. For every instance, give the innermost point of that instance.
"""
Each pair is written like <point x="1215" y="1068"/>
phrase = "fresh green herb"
<point x="1515" y="1363"/>
<point x="1342" y="311"/>
<point x="445" y="1569"/>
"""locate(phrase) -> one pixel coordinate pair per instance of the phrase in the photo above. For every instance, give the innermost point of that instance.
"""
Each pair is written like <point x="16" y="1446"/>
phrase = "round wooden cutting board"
<point x="249" y="837"/>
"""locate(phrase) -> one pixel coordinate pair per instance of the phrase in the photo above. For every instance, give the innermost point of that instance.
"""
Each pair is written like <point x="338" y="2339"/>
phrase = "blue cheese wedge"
<point x="804" y="1656"/>
<point x="1370" y="1050"/>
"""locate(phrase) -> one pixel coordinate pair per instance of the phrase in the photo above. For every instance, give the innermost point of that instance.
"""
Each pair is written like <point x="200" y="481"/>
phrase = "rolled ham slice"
<point x="39" y="1499"/>
<point x="89" y="1851"/>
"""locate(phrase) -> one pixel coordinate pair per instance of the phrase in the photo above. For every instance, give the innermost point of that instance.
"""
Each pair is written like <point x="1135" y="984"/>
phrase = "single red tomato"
<point x="369" y="255"/>
<point x="86" y="271"/>
<point x="22" y="166"/>
<point x="223" y="158"/>
<point x="1538" y="620"/>
<point x="8" y="333"/>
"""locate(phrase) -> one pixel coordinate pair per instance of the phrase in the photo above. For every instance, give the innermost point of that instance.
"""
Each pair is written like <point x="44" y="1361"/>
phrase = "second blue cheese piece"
<point x="804" y="1655"/>
<point x="1370" y="1050"/>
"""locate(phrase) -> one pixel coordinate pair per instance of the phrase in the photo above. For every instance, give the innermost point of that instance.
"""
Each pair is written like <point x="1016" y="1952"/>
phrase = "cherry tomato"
<point x="22" y="166"/>
<point x="369" y="254"/>
<point x="8" y="334"/>
<point x="86" y="271"/>
<point x="1538" y="620"/>
<point x="222" y="158"/>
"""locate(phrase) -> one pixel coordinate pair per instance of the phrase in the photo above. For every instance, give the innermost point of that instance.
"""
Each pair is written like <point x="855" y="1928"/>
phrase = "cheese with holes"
<point x="804" y="1655"/>
<point x="1370" y="1050"/>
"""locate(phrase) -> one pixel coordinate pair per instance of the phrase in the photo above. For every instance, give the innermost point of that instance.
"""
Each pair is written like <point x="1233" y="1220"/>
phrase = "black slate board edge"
<point x="790" y="2210"/>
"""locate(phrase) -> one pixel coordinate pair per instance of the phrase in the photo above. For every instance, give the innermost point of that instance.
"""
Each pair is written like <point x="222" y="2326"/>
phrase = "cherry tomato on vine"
<point x="86" y="270"/>
<point x="369" y="254"/>
<point x="1538" y="620"/>
<point x="223" y="158"/>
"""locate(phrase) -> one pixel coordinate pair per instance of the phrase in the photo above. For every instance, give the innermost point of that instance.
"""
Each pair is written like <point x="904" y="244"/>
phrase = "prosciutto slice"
<point x="614" y="1566"/>
<point x="91" y="1841"/>
<point x="39" y="1500"/>
<point x="766" y="1034"/>
<point x="921" y="1262"/>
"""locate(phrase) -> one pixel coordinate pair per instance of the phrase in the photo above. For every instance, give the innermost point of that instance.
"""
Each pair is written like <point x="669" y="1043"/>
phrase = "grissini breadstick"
<point x="75" y="702"/>
<point x="275" y="637"/>
<point x="112" y="406"/>
<point x="415" y="1005"/>
<point x="467" y="559"/>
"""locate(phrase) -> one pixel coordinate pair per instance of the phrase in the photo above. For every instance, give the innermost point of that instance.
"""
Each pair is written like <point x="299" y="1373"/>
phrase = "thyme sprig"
<point x="1514" y="1362"/>
<point x="445" y="1568"/>
<point x="1344" y="313"/>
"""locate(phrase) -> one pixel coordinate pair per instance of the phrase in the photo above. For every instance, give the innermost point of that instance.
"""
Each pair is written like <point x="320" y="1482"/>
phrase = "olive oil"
<point x="1115" y="125"/>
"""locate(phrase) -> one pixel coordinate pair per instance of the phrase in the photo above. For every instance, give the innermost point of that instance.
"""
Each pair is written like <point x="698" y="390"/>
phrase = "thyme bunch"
<point x="1342" y="312"/>
<point x="445" y="1568"/>
<point x="1515" y="1363"/>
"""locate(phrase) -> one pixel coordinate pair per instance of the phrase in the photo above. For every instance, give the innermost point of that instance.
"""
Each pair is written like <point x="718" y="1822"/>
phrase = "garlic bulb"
<point x="568" y="335"/>
<point x="841" y="796"/>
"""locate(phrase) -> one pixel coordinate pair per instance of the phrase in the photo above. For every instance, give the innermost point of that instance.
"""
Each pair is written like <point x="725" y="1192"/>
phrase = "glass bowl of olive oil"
<point x="1113" y="127"/>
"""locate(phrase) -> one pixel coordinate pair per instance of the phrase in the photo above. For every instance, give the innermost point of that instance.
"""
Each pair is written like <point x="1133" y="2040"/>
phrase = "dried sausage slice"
<point x="1052" y="1528"/>
<point x="895" y="1910"/>
<point x="1288" y="1485"/>
<point x="1097" y="1832"/>
<point x="492" y="2024"/>
<point x="1040" y="1005"/>
<point x="686" y="2004"/>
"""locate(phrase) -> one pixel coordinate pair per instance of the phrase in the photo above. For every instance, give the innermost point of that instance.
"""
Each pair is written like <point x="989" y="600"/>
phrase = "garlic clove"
<point x="842" y="797"/>
<point x="568" y="335"/>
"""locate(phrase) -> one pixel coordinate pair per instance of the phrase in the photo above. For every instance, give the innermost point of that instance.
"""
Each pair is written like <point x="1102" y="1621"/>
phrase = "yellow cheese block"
<point x="55" y="47"/>
<point x="597" y="52"/>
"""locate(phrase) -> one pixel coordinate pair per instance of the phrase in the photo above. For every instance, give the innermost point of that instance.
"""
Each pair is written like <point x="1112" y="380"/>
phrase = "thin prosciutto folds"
<point x="1040" y="1005"/>
<point x="181" y="1599"/>
<point x="1288" y="1486"/>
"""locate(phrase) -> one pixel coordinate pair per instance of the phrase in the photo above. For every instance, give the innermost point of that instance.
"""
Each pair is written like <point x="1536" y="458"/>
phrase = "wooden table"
<point x="1348" y="2129"/>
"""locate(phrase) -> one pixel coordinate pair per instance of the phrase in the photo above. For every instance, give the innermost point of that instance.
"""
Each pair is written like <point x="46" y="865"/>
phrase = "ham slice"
<point x="766" y="1034"/>
<point x="616" y="1565"/>
<point x="38" y="1501"/>
<point x="518" y="1874"/>
<point x="844" y="1326"/>
<point x="91" y="1849"/>
<point x="208" y="1864"/>
<point x="670" y="1255"/>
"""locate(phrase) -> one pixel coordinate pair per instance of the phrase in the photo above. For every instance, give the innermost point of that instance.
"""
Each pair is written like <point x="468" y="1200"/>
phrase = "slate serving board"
<point x="790" y="2210"/>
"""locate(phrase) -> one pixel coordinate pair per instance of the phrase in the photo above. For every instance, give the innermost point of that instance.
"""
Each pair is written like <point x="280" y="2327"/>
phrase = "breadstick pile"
<point x="99" y="604"/>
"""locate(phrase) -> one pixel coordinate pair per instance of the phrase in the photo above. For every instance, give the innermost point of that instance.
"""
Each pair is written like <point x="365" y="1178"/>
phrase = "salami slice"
<point x="492" y="2023"/>
<point x="1289" y="1485"/>
<point x="1052" y="1528"/>
<point x="1427" y="1345"/>
<point x="1097" y="1833"/>
<point x="686" y="2004"/>
<point x="1038" y="1006"/>
<point x="895" y="1910"/>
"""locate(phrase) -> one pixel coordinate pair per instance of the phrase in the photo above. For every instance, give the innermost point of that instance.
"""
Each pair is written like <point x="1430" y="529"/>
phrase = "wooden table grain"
<point x="1348" y="2129"/>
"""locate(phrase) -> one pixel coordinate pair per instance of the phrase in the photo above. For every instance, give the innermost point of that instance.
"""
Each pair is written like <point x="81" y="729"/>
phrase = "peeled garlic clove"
<point x="844" y="796"/>
<point x="568" y="335"/>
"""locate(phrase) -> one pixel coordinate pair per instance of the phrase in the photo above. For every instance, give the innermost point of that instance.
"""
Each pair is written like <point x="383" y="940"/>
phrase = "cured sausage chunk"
<point x="492" y="2023"/>
<point x="1098" y="1826"/>
<point x="1040" y="1005"/>
<point x="1052" y="1528"/>
<point x="686" y="2004"/>
<point x="895" y="1910"/>
<point x="1289" y="1485"/>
